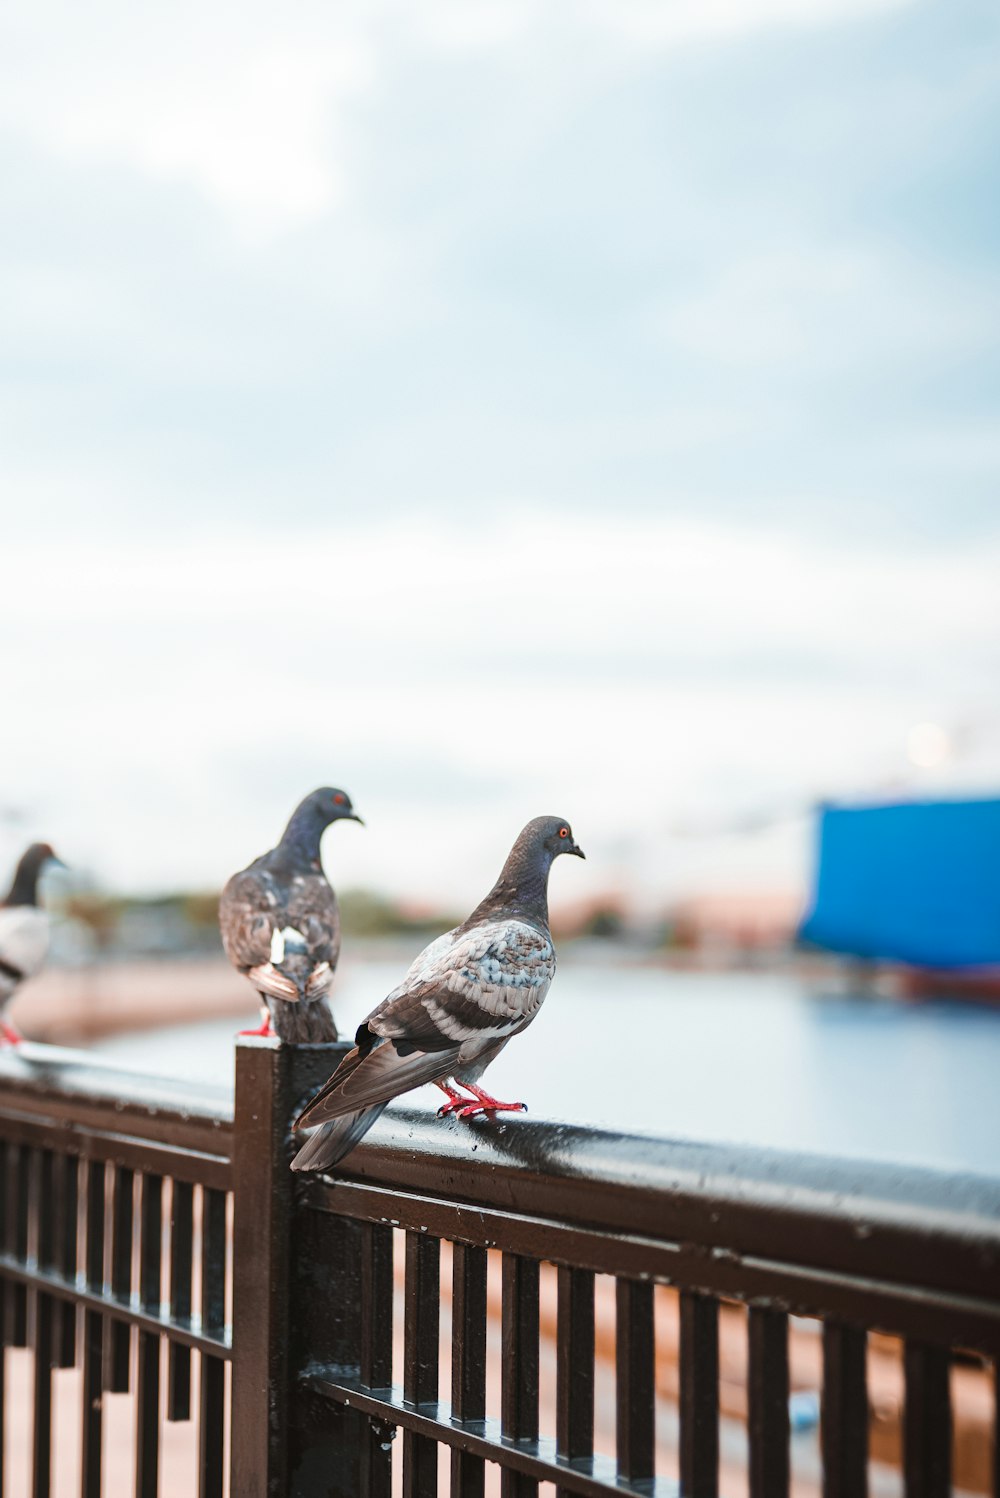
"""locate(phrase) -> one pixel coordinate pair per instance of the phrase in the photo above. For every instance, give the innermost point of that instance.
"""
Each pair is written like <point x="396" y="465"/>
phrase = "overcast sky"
<point x="493" y="409"/>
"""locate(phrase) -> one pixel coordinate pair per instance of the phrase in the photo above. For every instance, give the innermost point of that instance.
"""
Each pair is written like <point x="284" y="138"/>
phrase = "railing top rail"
<point x="895" y="1222"/>
<point x="73" y="1091"/>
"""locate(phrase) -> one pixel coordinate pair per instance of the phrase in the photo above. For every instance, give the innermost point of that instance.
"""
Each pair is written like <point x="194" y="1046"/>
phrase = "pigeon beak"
<point x="55" y="863"/>
<point x="353" y="817"/>
<point x="577" y="850"/>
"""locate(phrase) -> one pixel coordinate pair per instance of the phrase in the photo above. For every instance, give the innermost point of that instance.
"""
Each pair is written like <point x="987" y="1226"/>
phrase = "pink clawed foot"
<point x="456" y="1102"/>
<point x="264" y="1029"/>
<point x="10" y="1036"/>
<point x="486" y="1104"/>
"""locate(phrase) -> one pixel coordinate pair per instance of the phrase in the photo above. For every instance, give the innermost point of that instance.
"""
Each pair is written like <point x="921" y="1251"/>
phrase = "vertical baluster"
<point x="926" y="1422"/>
<point x="996" y="1430"/>
<point x="635" y="1405"/>
<point x="519" y="1366"/>
<point x="768" y="1403"/>
<point x="420" y="1358"/>
<point x="67" y="1188"/>
<point x="845" y="1412"/>
<point x="575" y="1366"/>
<point x="147" y="1390"/>
<point x="43" y="1171"/>
<point x="211" y="1415"/>
<point x="119" y="1333"/>
<point x="4" y="1297"/>
<point x="93" y="1335"/>
<point x="699" y="1395"/>
<point x="16" y="1242"/>
<point x="468" y="1361"/>
<point x="181" y="1251"/>
<point x="376" y="1351"/>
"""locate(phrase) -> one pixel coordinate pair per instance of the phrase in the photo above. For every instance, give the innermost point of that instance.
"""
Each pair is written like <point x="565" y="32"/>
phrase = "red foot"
<point x="8" y="1035"/>
<point x="471" y="1109"/>
<point x="455" y="1100"/>
<point x="264" y="1029"/>
<point x="484" y="1103"/>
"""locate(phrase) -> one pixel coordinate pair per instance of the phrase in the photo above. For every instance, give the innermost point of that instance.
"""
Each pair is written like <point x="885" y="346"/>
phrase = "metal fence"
<point x="353" y="1300"/>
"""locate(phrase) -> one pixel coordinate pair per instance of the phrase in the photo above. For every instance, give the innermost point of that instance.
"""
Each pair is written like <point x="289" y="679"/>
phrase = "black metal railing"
<point x="856" y="1247"/>
<point x="107" y="1180"/>
<point x="506" y="1306"/>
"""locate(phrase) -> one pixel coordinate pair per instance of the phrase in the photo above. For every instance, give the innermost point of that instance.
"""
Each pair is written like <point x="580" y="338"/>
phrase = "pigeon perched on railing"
<point x="24" y="931"/>
<point x="459" y="1004"/>
<point x="281" y="926"/>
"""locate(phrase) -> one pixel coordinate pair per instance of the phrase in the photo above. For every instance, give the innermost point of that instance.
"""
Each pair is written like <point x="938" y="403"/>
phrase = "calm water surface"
<point x="738" y="1057"/>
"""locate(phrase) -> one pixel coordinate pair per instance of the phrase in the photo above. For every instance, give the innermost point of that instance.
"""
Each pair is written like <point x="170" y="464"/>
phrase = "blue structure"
<point x="915" y="882"/>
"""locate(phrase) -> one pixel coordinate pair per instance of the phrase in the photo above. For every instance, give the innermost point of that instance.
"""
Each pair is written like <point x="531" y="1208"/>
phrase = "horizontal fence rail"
<point x="475" y="1308"/>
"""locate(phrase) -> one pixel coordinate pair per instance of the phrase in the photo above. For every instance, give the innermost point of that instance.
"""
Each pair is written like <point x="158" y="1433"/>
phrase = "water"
<point x="738" y="1057"/>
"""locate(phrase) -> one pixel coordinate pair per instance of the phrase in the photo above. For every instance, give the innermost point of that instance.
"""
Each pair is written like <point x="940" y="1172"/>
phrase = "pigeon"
<point x="459" y="1004"/>
<point x="24" y="931"/>
<point x="280" y="924"/>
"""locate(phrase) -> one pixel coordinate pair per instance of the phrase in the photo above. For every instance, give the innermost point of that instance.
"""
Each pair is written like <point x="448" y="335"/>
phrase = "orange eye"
<point x="564" y="832"/>
<point x="338" y="799"/>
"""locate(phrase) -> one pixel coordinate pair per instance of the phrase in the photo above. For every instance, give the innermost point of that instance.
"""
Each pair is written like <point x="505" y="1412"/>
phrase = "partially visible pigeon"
<point x="24" y="931"/>
<point x="281" y="926"/>
<point x="459" y="1004"/>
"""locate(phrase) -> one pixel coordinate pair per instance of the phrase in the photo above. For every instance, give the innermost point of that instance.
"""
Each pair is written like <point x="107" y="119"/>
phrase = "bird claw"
<point x="469" y="1110"/>
<point x="10" y="1036"/>
<point x="454" y="1105"/>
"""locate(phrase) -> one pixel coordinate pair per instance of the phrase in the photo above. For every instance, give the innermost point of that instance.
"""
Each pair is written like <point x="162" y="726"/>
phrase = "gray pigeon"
<point x="24" y="931"/>
<point x="281" y="926"/>
<point x="459" y="1004"/>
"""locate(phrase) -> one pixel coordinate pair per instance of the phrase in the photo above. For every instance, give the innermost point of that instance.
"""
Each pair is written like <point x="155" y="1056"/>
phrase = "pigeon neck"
<point x="522" y="889"/>
<point x="301" y="838"/>
<point x="24" y="890"/>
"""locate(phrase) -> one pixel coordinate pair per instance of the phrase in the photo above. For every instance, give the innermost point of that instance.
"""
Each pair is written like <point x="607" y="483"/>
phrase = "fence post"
<point x="281" y="1447"/>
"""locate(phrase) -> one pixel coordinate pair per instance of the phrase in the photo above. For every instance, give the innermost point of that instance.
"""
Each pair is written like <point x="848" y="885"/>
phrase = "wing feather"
<point x="362" y="1082"/>
<point x="470" y="986"/>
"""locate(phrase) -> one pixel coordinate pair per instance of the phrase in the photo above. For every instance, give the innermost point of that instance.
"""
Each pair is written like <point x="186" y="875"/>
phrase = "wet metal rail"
<point x="116" y="1240"/>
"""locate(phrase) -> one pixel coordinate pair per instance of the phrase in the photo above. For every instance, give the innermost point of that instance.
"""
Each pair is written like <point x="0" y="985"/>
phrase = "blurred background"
<point x="498" y="409"/>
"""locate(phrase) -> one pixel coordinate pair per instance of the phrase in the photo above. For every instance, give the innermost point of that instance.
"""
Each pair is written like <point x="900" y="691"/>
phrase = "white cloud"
<point x="238" y="102"/>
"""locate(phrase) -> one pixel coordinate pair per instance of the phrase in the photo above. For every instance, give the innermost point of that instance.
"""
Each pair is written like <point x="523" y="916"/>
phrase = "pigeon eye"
<point x="564" y="832"/>
<point x="338" y="799"/>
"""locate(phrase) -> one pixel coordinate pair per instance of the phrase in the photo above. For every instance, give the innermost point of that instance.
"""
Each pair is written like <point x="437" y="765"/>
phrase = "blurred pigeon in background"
<point x="24" y="930"/>
<point x="459" y="1004"/>
<point x="281" y="926"/>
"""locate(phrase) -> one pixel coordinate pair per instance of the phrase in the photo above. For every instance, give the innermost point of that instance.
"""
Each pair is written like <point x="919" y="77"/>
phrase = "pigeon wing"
<point x="371" y="1081"/>
<point x="24" y="941"/>
<point x="469" y="988"/>
<point x="313" y="911"/>
<point x="248" y="916"/>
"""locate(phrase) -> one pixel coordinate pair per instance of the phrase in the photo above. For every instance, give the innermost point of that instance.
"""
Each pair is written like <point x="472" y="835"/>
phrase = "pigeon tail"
<point x="328" y="1144"/>
<point x="302" y="1024"/>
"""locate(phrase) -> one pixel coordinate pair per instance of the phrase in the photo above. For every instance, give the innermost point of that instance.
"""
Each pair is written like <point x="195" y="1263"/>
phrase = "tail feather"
<point x="303" y="1023"/>
<point x="328" y="1144"/>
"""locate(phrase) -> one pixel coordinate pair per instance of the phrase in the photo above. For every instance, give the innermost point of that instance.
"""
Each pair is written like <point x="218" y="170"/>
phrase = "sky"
<point x="495" y="409"/>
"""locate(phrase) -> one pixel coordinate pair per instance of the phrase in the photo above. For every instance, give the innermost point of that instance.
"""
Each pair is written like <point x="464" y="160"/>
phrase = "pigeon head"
<point x="550" y="836"/>
<point x="312" y="817"/>
<point x="329" y="805"/>
<point x="24" y="890"/>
